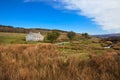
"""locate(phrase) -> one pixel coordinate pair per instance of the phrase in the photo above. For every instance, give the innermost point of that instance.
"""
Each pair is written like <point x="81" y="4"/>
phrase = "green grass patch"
<point x="9" y="38"/>
<point x="14" y="38"/>
<point x="82" y="49"/>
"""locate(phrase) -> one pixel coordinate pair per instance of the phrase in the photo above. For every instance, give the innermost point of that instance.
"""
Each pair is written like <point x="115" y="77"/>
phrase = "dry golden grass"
<point x="43" y="62"/>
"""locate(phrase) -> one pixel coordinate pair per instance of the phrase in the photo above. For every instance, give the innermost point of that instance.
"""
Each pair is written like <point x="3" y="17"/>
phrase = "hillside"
<point x="108" y="35"/>
<point x="82" y="58"/>
<point x="12" y="29"/>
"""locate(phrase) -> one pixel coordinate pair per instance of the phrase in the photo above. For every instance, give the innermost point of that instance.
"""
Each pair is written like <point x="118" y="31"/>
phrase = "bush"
<point x="85" y="35"/>
<point x="52" y="36"/>
<point x="71" y="35"/>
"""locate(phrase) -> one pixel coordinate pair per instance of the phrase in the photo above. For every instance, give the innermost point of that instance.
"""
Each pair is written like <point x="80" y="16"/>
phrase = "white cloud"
<point x="105" y="13"/>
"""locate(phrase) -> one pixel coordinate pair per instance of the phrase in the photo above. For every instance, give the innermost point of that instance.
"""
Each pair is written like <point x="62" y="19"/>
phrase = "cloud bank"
<point x="105" y="13"/>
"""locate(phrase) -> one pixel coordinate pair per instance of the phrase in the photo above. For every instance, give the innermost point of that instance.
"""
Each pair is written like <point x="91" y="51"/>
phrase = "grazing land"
<point x="9" y="38"/>
<point x="45" y="62"/>
<point x="79" y="59"/>
<point x="14" y="38"/>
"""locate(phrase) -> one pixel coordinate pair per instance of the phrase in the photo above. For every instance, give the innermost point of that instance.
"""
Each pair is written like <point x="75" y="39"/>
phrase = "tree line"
<point x="12" y="29"/>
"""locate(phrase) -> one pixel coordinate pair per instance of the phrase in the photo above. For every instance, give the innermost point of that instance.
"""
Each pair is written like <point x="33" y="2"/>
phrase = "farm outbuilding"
<point x="34" y="37"/>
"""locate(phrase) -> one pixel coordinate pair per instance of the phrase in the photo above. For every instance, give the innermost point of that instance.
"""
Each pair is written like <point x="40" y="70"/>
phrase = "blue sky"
<point x="40" y="14"/>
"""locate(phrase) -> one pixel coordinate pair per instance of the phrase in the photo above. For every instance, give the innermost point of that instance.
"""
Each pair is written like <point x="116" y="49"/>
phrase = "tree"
<point x="71" y="35"/>
<point x="52" y="36"/>
<point x="85" y="35"/>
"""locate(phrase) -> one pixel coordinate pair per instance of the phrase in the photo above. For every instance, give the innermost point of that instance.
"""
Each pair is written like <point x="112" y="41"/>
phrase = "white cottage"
<point x="34" y="37"/>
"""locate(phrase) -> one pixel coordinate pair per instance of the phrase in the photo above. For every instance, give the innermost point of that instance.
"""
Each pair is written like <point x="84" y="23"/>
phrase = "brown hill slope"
<point x="4" y="28"/>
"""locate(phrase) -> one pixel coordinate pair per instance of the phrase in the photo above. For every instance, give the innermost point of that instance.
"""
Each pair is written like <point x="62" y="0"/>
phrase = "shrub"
<point x="71" y="35"/>
<point x="52" y="36"/>
<point x="85" y="35"/>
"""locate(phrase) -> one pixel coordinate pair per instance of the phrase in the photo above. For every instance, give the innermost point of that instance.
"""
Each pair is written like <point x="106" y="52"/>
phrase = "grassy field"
<point x="84" y="59"/>
<point x="9" y="38"/>
<point x="14" y="38"/>
<point x="44" y="62"/>
<point x="83" y="48"/>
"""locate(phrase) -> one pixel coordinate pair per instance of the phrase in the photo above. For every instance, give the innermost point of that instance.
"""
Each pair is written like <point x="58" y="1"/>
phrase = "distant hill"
<point x="4" y="28"/>
<point x="108" y="35"/>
